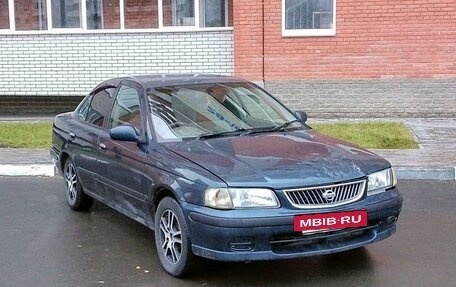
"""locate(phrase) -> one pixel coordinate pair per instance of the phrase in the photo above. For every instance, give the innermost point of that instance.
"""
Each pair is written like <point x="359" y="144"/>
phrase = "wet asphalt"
<point x="44" y="243"/>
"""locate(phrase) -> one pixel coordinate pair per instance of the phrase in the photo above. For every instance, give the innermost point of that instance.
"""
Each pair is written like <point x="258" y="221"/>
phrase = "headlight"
<point x="231" y="198"/>
<point x="380" y="181"/>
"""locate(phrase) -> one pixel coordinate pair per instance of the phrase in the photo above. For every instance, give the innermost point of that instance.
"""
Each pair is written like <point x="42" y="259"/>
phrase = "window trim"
<point x="309" y="32"/>
<point x="84" y="30"/>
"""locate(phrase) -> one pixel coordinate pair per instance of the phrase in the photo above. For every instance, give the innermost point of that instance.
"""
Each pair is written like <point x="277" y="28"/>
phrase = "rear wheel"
<point x="172" y="240"/>
<point x="75" y="196"/>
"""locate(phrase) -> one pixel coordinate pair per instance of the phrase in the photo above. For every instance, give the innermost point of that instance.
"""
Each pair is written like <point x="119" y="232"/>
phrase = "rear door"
<point x="84" y="133"/>
<point x="121" y="164"/>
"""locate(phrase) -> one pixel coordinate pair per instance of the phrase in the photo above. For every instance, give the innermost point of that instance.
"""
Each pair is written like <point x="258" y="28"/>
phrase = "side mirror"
<point x="124" y="133"/>
<point x="302" y="116"/>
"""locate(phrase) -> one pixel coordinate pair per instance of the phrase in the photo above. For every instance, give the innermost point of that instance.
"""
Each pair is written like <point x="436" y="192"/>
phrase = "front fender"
<point x="184" y="179"/>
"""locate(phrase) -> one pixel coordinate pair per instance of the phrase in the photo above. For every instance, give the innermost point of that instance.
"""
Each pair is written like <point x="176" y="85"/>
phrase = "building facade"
<point x="331" y="58"/>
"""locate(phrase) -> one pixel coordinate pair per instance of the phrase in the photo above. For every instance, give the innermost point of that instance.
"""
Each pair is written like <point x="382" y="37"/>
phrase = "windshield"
<point x="200" y="110"/>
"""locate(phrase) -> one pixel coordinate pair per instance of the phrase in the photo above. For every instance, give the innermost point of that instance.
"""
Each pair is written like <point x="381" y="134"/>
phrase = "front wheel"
<point x="172" y="240"/>
<point x="75" y="196"/>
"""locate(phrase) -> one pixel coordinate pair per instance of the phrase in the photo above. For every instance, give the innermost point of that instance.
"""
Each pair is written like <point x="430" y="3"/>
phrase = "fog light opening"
<point x="239" y="245"/>
<point x="391" y="221"/>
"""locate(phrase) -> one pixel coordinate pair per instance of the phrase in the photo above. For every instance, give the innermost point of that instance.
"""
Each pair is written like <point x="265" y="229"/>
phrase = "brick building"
<point x="382" y="58"/>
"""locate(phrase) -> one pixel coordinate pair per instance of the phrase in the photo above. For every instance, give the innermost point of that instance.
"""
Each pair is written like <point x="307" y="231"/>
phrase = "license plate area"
<point x="326" y="222"/>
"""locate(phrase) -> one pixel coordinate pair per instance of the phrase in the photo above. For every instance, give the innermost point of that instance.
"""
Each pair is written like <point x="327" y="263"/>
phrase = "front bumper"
<point x="267" y="234"/>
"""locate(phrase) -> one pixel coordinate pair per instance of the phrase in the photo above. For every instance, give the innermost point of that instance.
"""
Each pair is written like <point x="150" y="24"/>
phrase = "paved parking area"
<point x="44" y="243"/>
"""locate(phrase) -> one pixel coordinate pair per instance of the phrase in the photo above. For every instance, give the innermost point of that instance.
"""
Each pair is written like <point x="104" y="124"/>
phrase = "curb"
<point x="46" y="170"/>
<point x="402" y="172"/>
<point x="433" y="173"/>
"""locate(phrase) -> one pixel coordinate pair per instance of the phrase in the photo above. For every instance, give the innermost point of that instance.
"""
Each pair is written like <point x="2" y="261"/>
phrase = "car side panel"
<point x="121" y="173"/>
<point x="83" y="151"/>
<point x="79" y="141"/>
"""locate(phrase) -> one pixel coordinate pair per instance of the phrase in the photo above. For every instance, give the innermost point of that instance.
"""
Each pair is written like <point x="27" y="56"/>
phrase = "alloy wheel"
<point x="170" y="236"/>
<point x="72" y="182"/>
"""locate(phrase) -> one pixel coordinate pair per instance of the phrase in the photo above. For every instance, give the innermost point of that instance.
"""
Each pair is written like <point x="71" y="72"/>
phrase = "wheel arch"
<point x="160" y="193"/>
<point x="63" y="157"/>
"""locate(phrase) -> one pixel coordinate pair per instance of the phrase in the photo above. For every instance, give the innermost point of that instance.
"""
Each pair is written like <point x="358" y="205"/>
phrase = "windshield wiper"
<point x="236" y="132"/>
<point x="284" y="125"/>
<point x="243" y="131"/>
<point x="270" y="129"/>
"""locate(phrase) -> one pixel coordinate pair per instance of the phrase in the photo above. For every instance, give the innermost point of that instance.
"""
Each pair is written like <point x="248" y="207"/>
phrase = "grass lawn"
<point x="25" y="135"/>
<point x="367" y="134"/>
<point x="376" y="135"/>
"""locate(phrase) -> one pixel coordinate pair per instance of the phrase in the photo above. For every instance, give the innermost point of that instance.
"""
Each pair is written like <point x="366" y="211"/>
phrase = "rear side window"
<point x="84" y="108"/>
<point x="99" y="107"/>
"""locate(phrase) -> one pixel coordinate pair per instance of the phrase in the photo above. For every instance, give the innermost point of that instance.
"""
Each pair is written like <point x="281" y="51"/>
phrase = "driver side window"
<point x="126" y="109"/>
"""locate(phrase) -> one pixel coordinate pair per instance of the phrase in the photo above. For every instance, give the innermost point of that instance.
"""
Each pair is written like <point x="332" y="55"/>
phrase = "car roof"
<point x="162" y="80"/>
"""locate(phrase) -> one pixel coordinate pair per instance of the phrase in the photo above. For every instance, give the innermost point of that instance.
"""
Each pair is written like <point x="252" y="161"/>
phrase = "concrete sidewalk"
<point x="436" y="156"/>
<point x="435" y="159"/>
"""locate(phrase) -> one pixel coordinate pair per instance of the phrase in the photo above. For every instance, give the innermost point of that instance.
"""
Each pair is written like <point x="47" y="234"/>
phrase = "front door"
<point x="121" y="164"/>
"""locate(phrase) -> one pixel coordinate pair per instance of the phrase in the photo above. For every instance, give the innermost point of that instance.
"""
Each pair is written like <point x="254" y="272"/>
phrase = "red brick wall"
<point x="375" y="38"/>
<point x="141" y="14"/>
<point x="247" y="22"/>
<point x="230" y="12"/>
<point x="4" y="20"/>
<point x="167" y="13"/>
<point x="111" y="14"/>
<point x="27" y="15"/>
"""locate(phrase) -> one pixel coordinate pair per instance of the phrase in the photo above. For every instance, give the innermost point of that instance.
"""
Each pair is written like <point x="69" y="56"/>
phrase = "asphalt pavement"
<point x="44" y="243"/>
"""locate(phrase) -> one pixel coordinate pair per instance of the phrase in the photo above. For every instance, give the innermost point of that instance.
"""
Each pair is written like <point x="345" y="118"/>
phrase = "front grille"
<point x="326" y="196"/>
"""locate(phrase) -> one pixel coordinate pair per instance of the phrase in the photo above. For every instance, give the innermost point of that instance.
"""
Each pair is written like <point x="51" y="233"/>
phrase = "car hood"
<point x="280" y="159"/>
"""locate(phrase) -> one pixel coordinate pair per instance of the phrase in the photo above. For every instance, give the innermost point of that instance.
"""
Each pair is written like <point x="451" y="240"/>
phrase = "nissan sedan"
<point x="220" y="169"/>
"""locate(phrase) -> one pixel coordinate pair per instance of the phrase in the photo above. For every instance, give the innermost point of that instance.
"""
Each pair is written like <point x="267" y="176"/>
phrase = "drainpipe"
<point x="263" y="50"/>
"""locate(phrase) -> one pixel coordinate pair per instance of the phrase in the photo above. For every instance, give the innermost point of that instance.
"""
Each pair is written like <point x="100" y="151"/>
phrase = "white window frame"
<point x="83" y="30"/>
<point x="12" y="17"/>
<point x="308" y="32"/>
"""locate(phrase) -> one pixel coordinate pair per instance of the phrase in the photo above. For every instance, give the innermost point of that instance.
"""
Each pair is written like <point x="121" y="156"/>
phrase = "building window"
<point x="308" y="17"/>
<point x="30" y="14"/>
<point x="178" y="13"/>
<point x="214" y="13"/>
<point x="80" y="16"/>
<point x="103" y="14"/>
<point x="66" y="13"/>
<point x="141" y="14"/>
<point x="4" y="16"/>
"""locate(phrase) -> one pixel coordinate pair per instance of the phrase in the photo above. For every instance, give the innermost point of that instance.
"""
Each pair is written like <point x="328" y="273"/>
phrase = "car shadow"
<point x="353" y="265"/>
<point x="326" y="268"/>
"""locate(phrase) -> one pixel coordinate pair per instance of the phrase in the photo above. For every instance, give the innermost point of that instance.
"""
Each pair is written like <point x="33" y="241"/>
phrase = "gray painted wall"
<point x="380" y="98"/>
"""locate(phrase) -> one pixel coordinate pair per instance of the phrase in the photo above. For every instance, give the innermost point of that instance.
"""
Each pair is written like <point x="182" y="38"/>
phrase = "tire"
<point x="172" y="240"/>
<point x="75" y="196"/>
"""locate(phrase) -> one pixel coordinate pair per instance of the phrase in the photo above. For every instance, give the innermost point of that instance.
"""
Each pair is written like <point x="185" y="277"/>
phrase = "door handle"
<point x="72" y="136"/>
<point x="102" y="146"/>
